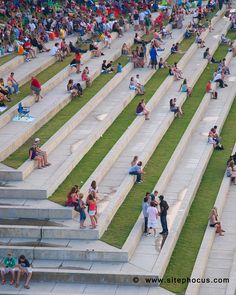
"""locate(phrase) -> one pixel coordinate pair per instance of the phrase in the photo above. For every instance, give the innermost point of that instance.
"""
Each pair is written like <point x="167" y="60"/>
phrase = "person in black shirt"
<point x="23" y="267"/>
<point x="163" y="212"/>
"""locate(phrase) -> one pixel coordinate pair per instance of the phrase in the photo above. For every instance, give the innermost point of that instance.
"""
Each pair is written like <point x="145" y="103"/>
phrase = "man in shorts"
<point x="23" y="267"/>
<point x="9" y="264"/>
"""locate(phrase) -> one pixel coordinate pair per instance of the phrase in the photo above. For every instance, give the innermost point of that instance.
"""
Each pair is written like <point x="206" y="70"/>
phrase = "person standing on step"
<point x="163" y="213"/>
<point x="36" y="88"/>
<point x="152" y="213"/>
<point x="145" y="206"/>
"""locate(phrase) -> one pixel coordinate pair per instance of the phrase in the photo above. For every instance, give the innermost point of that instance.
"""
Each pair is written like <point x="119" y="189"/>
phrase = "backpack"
<point x="77" y="207"/>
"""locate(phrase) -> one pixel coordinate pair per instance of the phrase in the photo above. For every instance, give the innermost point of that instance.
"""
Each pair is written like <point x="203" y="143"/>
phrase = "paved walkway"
<point x="13" y="133"/>
<point x="150" y="130"/>
<point x="42" y="61"/>
<point x="82" y="134"/>
<point x="223" y="249"/>
<point x="79" y="289"/>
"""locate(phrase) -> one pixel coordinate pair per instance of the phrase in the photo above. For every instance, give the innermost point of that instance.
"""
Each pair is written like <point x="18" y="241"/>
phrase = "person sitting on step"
<point x="41" y="152"/>
<point x="138" y="171"/>
<point x="176" y="109"/>
<point x="25" y="268"/>
<point x="141" y="110"/>
<point x="214" y="221"/>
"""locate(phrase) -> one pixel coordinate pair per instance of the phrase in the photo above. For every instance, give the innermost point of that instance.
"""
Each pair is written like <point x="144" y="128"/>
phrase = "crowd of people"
<point x="77" y="200"/>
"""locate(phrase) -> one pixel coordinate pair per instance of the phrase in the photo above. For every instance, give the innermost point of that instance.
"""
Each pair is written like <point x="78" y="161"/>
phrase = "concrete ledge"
<point x="208" y="239"/>
<point x="70" y="276"/>
<point x="47" y="232"/>
<point x="164" y="257"/>
<point x="231" y="288"/>
<point x="127" y="184"/>
<point x="61" y="134"/>
<point x="65" y="253"/>
<point x="46" y="116"/>
<point x="7" y="212"/>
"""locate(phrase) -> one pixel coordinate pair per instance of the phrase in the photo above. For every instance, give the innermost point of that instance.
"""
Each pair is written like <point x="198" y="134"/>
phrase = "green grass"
<point x="43" y="77"/>
<point x="53" y="125"/>
<point x="92" y="159"/>
<point x="158" y="161"/>
<point x="7" y="58"/>
<point x="186" y="249"/>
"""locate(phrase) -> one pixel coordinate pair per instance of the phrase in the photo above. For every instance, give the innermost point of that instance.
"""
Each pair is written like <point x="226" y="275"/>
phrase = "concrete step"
<point x="187" y="174"/>
<point x="53" y="176"/>
<point x="62" y="250"/>
<point x="34" y="209"/>
<point x="24" y="71"/>
<point x="12" y="64"/>
<point x="219" y="260"/>
<point x="111" y="175"/>
<point x="55" y="98"/>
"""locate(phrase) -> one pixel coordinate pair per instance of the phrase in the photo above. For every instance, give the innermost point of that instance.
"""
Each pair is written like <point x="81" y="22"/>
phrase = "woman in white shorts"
<point x="152" y="213"/>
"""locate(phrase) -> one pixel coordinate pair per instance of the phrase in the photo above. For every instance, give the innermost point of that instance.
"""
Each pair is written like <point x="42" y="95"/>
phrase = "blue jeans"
<point x="164" y="223"/>
<point x="145" y="224"/>
<point x="16" y="88"/>
<point x="138" y="179"/>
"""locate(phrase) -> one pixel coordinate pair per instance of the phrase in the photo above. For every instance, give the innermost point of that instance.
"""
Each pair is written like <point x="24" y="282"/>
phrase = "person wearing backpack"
<point x="79" y="207"/>
<point x="163" y="213"/>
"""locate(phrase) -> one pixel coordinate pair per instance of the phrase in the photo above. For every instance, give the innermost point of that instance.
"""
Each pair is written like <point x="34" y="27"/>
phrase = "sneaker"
<point x="3" y="282"/>
<point x="26" y="286"/>
<point x="12" y="282"/>
<point x="17" y="285"/>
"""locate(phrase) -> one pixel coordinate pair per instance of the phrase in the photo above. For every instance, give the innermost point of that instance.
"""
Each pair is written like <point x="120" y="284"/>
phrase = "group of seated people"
<point x="6" y="89"/>
<point x="107" y="67"/>
<point x="60" y="51"/>
<point x="174" y="48"/>
<point x="215" y="139"/>
<point x="231" y="168"/>
<point x="75" y="199"/>
<point x="16" y="268"/>
<point x="175" y="108"/>
<point x="136" y="85"/>
<point x="138" y="56"/>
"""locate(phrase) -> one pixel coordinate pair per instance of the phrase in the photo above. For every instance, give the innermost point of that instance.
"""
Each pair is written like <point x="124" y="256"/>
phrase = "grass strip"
<point x="186" y="249"/>
<point x="100" y="149"/>
<point x="7" y="58"/>
<point x="43" y="77"/>
<point x="158" y="161"/>
<point x="16" y="159"/>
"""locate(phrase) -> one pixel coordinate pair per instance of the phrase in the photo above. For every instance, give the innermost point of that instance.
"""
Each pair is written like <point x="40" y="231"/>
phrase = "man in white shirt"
<point x="55" y="51"/>
<point x="218" y="78"/>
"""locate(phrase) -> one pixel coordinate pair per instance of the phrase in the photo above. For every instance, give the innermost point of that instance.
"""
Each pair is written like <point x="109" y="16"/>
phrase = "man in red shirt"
<point x="36" y="88"/>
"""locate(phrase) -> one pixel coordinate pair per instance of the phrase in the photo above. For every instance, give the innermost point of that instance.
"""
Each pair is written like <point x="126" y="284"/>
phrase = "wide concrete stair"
<point x="119" y="272"/>
<point x="142" y="138"/>
<point x="24" y="72"/>
<point x="55" y="98"/>
<point x="71" y="142"/>
<point x="217" y="255"/>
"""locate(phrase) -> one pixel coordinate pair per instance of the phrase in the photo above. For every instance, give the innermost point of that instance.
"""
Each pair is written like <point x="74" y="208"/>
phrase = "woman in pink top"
<point x="152" y="213"/>
<point x="92" y="210"/>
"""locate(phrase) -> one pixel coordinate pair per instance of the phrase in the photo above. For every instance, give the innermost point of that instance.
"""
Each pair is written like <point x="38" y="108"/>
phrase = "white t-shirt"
<point x="152" y="213"/>
<point x="218" y="76"/>
<point x="54" y="50"/>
